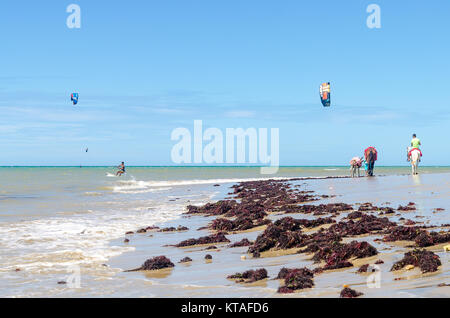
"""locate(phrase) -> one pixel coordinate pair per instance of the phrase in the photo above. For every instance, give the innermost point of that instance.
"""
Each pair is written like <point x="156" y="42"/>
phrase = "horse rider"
<point x="415" y="144"/>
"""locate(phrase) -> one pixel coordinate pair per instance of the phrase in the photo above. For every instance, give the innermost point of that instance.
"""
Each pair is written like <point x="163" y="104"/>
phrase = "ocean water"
<point x="56" y="219"/>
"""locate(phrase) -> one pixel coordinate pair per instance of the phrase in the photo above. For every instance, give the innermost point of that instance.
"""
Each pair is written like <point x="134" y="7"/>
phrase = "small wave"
<point x="52" y="244"/>
<point x="132" y="191"/>
<point x="134" y="187"/>
<point x="147" y="184"/>
<point x="140" y="186"/>
<point x="92" y="194"/>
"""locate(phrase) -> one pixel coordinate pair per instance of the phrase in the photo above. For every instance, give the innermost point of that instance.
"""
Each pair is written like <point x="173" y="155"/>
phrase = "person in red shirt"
<point x="371" y="155"/>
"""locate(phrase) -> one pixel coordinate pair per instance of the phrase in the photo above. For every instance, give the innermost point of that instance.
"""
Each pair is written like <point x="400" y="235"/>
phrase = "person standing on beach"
<point x="371" y="155"/>
<point x="121" y="170"/>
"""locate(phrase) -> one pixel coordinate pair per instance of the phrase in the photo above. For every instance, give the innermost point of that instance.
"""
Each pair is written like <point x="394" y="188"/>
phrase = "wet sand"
<point x="202" y="278"/>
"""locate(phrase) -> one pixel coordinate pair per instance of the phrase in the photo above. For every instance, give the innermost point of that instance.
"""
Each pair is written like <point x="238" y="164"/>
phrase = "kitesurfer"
<point x="121" y="170"/>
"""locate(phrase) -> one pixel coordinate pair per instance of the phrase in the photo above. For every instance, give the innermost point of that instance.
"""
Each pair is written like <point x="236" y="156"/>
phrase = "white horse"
<point x="415" y="159"/>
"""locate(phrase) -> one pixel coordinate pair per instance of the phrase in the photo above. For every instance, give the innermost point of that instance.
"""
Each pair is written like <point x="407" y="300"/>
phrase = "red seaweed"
<point x="250" y="276"/>
<point x="215" y="238"/>
<point x="243" y="242"/>
<point x="158" y="262"/>
<point x="284" y="272"/>
<point x="426" y="260"/>
<point x="295" y="279"/>
<point x="350" y="293"/>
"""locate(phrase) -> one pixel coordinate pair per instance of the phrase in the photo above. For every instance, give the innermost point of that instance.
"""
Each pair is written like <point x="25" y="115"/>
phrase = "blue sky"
<point x="144" y="68"/>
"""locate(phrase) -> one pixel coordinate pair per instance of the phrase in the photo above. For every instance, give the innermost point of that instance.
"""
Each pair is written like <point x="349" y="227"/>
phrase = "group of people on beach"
<point x="371" y="155"/>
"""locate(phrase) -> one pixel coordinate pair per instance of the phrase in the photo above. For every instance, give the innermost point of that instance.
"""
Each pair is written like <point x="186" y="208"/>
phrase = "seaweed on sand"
<point x="318" y="240"/>
<point x="275" y="237"/>
<point x="363" y="268"/>
<point x="218" y="208"/>
<point x="286" y="233"/>
<point x="421" y="237"/>
<point x="243" y="242"/>
<point x="366" y="224"/>
<point x="291" y="224"/>
<point x="240" y="224"/>
<point x="410" y="207"/>
<point x="295" y="279"/>
<point x="249" y="209"/>
<point x="333" y="208"/>
<point x="215" y="238"/>
<point x="350" y="293"/>
<point x="426" y="260"/>
<point x="425" y="238"/>
<point x="185" y="260"/>
<point x="158" y="262"/>
<point x="354" y="215"/>
<point x="402" y="233"/>
<point x="174" y="229"/>
<point x="270" y="193"/>
<point x="303" y="271"/>
<point x="367" y="207"/>
<point x="250" y="276"/>
<point x="336" y="255"/>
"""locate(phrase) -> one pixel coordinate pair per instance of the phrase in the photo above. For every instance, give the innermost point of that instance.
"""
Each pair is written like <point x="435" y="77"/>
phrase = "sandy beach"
<point x="208" y="279"/>
<point x="102" y="255"/>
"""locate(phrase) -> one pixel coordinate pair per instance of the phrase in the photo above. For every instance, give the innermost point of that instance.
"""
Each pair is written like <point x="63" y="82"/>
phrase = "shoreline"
<point x="104" y="256"/>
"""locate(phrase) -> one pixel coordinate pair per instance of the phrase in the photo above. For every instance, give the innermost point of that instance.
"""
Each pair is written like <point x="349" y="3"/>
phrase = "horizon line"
<point x="167" y="166"/>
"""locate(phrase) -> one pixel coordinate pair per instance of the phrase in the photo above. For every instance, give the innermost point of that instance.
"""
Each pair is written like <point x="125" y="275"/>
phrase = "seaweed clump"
<point x="366" y="224"/>
<point x="215" y="238"/>
<point x="295" y="279"/>
<point x="320" y="209"/>
<point x="243" y="242"/>
<point x="350" y="293"/>
<point x="425" y="239"/>
<point x="276" y="237"/>
<point x="410" y="207"/>
<point x="421" y="237"/>
<point x="402" y="233"/>
<point x="354" y="215"/>
<point x="336" y="255"/>
<point x="218" y="208"/>
<point x="158" y="262"/>
<point x="426" y="260"/>
<point x="174" y="229"/>
<point x="249" y="276"/>
<point x="363" y="268"/>
<point x="240" y="224"/>
<point x="284" y="272"/>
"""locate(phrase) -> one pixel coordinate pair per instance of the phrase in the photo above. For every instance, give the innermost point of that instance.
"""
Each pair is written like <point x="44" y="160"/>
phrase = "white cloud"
<point x="240" y="114"/>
